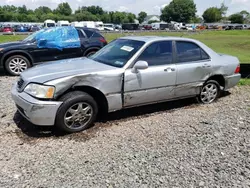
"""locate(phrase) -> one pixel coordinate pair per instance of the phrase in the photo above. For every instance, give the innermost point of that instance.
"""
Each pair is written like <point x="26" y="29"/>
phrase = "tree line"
<point x="63" y="12"/>
<point x="177" y="10"/>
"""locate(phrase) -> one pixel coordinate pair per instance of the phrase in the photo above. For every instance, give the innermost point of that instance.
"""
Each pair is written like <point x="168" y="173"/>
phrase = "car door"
<point x="193" y="66"/>
<point x="43" y="54"/>
<point x="156" y="83"/>
<point x="66" y="53"/>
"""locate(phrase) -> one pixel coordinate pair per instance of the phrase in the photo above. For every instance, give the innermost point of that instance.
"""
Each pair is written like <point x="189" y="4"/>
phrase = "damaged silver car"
<point x="128" y="72"/>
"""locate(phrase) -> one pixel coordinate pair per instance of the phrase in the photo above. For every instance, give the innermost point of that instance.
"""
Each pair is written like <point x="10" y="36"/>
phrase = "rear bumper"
<point x="38" y="112"/>
<point x="231" y="81"/>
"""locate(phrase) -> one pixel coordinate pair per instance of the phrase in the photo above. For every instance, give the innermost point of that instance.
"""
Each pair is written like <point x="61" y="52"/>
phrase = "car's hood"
<point x="11" y="44"/>
<point x="63" y="68"/>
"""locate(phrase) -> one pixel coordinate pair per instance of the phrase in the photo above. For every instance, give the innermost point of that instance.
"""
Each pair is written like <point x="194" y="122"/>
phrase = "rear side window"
<point x="189" y="51"/>
<point x="80" y="33"/>
<point x="88" y="33"/>
<point x="97" y="35"/>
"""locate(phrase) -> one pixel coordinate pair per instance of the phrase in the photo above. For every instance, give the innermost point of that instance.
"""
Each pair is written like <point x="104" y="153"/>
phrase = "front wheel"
<point x="16" y="64"/>
<point x="209" y="92"/>
<point x="77" y="113"/>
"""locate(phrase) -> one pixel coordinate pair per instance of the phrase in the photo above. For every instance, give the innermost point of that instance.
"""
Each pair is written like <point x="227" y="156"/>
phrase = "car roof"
<point x="87" y="28"/>
<point x="156" y="38"/>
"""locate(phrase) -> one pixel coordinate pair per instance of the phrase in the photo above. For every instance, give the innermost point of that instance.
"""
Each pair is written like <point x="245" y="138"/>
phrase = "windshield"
<point x="32" y="37"/>
<point x="51" y="25"/>
<point x="118" y="52"/>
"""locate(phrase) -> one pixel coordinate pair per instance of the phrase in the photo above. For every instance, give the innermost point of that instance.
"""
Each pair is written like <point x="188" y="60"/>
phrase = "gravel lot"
<point x="177" y="144"/>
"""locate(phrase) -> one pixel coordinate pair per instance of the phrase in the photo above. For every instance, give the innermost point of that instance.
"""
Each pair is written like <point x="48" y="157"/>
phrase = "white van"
<point x="49" y="23"/>
<point x="99" y="26"/>
<point x="76" y="24"/>
<point x="89" y="24"/>
<point x="160" y="26"/>
<point x="63" y="23"/>
<point x="109" y="27"/>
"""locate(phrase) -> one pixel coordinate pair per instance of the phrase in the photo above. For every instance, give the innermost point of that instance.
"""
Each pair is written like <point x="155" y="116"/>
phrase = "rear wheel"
<point x="90" y="53"/>
<point x="77" y="113"/>
<point x="209" y="92"/>
<point x="16" y="64"/>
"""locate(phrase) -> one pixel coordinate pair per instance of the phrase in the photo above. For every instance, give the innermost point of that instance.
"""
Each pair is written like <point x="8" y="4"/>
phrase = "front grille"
<point x="20" y="83"/>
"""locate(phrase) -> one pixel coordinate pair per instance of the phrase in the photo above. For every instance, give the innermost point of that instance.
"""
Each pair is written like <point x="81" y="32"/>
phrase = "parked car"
<point x="128" y="72"/>
<point x="240" y="27"/>
<point x="34" y="28"/>
<point x="7" y="30"/>
<point x="16" y="57"/>
<point x="147" y="27"/>
<point x="22" y="29"/>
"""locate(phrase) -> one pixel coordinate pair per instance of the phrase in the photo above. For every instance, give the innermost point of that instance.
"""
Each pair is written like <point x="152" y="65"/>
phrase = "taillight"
<point x="103" y="40"/>
<point x="237" y="70"/>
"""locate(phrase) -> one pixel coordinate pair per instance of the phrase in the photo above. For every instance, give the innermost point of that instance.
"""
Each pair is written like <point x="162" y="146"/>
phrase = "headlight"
<point x="40" y="91"/>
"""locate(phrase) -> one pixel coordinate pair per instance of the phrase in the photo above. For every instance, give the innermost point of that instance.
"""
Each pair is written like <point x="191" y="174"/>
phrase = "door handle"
<point x="169" y="69"/>
<point x="206" y="65"/>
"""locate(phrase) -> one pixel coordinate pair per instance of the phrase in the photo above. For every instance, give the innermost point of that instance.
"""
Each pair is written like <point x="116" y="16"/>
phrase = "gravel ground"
<point x="177" y="144"/>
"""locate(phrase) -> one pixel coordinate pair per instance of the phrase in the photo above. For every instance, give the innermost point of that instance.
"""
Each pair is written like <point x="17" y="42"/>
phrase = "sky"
<point x="152" y="7"/>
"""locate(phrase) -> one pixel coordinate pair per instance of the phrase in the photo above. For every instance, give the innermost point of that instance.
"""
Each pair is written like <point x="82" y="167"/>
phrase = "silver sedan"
<point x="128" y="72"/>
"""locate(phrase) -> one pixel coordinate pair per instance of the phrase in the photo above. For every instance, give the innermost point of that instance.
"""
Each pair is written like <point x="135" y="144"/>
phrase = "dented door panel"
<point x="191" y="76"/>
<point x="150" y="85"/>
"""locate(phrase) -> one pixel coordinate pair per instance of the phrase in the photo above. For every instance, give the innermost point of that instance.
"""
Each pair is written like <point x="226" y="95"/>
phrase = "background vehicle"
<point x="130" y="26"/>
<point x="16" y="57"/>
<point x="128" y="72"/>
<point x="109" y="27"/>
<point x="88" y="24"/>
<point x="118" y="27"/>
<point x="63" y="23"/>
<point x="160" y="26"/>
<point x="22" y="29"/>
<point x="8" y="29"/>
<point x="99" y="26"/>
<point x="147" y="27"/>
<point x="34" y="28"/>
<point x="49" y="23"/>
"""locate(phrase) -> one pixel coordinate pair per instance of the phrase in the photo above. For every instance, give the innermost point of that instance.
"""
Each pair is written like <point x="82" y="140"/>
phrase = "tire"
<point x="16" y="64"/>
<point x="210" y="92"/>
<point x="71" y="117"/>
<point x="90" y="53"/>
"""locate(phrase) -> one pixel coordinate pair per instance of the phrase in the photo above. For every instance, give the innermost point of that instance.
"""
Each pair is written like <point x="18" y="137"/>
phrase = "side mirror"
<point x="140" y="65"/>
<point x="42" y="42"/>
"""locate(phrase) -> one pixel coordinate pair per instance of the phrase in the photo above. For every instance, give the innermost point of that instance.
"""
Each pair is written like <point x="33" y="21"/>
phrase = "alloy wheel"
<point x="18" y="65"/>
<point x="209" y="93"/>
<point x="78" y="115"/>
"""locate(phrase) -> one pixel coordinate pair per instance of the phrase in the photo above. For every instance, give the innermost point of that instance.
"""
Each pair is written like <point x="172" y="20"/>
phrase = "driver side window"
<point x="157" y="53"/>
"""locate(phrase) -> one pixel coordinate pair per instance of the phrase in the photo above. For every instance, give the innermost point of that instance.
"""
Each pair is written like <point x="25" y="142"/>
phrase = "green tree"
<point x="85" y="16"/>
<point x="64" y="9"/>
<point x="141" y="16"/>
<point x="179" y="10"/>
<point x="42" y="10"/>
<point x="236" y="18"/>
<point x="131" y="17"/>
<point x="105" y="18"/>
<point x="22" y="10"/>
<point x="96" y="10"/>
<point x="212" y="14"/>
<point x="196" y="19"/>
<point x="32" y="18"/>
<point x="223" y="9"/>
<point x="245" y="15"/>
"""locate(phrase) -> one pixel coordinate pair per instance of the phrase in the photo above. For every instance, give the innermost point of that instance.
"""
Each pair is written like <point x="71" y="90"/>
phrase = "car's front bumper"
<point x="231" y="81"/>
<point x="36" y="111"/>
